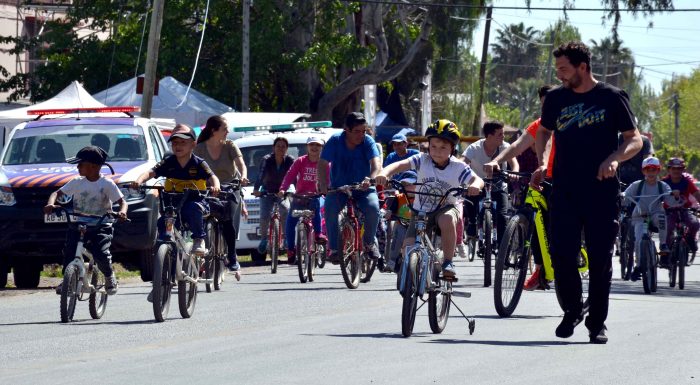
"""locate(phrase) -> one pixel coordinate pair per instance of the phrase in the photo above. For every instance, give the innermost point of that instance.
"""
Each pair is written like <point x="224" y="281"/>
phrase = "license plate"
<point x="53" y="218"/>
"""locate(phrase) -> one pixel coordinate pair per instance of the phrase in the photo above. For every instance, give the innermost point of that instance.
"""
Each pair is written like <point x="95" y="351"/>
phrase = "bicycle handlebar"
<point x="101" y="218"/>
<point x="455" y="191"/>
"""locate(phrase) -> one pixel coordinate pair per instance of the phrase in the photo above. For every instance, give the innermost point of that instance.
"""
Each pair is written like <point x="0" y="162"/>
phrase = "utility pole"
<point x="550" y="57"/>
<point x="606" y="58"/>
<point x="676" y="108"/>
<point x="245" y="83"/>
<point x="149" y="80"/>
<point x="482" y="72"/>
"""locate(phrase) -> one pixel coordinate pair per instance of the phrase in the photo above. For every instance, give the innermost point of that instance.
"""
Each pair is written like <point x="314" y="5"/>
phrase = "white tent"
<point x="168" y="104"/>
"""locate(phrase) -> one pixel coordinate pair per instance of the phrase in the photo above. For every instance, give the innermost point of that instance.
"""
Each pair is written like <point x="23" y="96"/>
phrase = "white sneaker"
<point x="111" y="284"/>
<point x="462" y="250"/>
<point x="198" y="246"/>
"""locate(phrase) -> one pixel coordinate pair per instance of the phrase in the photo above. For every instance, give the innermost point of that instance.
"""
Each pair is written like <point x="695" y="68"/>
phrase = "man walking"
<point x="586" y="117"/>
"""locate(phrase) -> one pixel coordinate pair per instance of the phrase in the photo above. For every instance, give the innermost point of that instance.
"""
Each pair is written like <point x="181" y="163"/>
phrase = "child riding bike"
<point x="438" y="171"/>
<point x="93" y="194"/>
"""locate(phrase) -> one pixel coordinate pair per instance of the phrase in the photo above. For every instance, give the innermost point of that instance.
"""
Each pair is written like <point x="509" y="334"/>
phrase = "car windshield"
<point x="56" y="143"/>
<point x="253" y="156"/>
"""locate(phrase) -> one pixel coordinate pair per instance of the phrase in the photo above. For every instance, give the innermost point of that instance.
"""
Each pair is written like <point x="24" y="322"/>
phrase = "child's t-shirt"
<point x="436" y="181"/>
<point x="193" y="175"/>
<point x="649" y="203"/>
<point x="92" y="198"/>
<point x="303" y="175"/>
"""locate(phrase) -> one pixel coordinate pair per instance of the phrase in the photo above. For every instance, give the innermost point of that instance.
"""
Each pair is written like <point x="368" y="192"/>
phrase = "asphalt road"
<point x="269" y="329"/>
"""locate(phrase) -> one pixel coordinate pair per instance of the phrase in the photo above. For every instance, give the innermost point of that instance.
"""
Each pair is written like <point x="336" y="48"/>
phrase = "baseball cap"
<point x="92" y="154"/>
<point x="354" y="118"/>
<point x="315" y="139"/>
<point x="651" y="162"/>
<point x="408" y="177"/>
<point x="182" y="131"/>
<point x="399" y="138"/>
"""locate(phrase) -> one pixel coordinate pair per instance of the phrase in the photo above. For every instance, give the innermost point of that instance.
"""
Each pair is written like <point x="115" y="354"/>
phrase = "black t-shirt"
<point x="586" y="126"/>
<point x="631" y="169"/>
<point x="193" y="175"/>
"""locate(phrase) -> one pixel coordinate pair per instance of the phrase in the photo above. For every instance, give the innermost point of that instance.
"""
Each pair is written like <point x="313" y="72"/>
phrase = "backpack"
<point x="639" y="190"/>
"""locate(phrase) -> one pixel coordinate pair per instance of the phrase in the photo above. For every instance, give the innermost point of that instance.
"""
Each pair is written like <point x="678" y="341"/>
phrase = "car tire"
<point x="26" y="275"/>
<point x="4" y="270"/>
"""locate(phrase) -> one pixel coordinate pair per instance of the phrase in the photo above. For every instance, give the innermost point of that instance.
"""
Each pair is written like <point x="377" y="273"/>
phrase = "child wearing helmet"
<point x="645" y="195"/>
<point x="683" y="187"/>
<point x="438" y="171"/>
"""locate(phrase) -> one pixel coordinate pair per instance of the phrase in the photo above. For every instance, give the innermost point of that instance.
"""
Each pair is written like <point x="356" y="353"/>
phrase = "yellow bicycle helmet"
<point x="444" y="129"/>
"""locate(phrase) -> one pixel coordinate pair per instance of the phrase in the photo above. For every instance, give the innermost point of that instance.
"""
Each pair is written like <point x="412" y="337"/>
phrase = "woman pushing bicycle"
<point x="438" y="171"/>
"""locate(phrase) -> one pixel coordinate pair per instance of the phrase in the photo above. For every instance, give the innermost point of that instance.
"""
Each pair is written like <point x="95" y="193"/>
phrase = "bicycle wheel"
<point x="410" y="299"/>
<point x="220" y="261"/>
<point x="69" y="293"/>
<point x="439" y="301"/>
<point x="186" y="290"/>
<point x="208" y="268"/>
<point x="488" y="246"/>
<point x="471" y="246"/>
<point x="648" y="265"/>
<point x="682" y="260"/>
<point x="511" y="266"/>
<point x="97" y="303"/>
<point x="302" y="254"/>
<point x="387" y="242"/>
<point x="311" y="262"/>
<point x="673" y="264"/>
<point x="621" y="245"/>
<point x="350" y="259"/>
<point x="162" y="281"/>
<point x="629" y="253"/>
<point x="368" y="267"/>
<point x="320" y="255"/>
<point x="274" y="244"/>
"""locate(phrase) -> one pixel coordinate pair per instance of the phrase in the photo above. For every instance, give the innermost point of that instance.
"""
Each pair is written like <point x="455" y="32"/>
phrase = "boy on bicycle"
<point x="438" y="171"/>
<point x="646" y="195"/>
<point x="93" y="194"/>
<point x="184" y="170"/>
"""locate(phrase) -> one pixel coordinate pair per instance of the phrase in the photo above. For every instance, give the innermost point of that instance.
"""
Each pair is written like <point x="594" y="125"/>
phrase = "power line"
<point x="598" y="24"/>
<point x="470" y="6"/>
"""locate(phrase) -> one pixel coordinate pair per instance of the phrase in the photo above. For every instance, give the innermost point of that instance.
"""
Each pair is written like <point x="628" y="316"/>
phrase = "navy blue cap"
<point x="399" y="138"/>
<point x="92" y="154"/>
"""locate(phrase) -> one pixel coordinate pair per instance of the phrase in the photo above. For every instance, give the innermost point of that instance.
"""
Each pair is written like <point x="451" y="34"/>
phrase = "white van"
<point x="254" y="147"/>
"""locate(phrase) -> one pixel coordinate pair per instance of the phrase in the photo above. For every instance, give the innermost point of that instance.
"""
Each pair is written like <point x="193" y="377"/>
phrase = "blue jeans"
<point x="367" y="202"/>
<point x="266" y="206"/>
<point x="311" y="204"/>
<point x="192" y="213"/>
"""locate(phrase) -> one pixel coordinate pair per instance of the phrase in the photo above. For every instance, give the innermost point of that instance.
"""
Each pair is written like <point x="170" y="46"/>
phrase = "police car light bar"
<point x="84" y="110"/>
<point x="284" y="127"/>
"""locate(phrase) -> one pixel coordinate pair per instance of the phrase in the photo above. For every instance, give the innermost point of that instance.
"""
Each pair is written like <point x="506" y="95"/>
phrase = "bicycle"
<point x="214" y="264"/>
<point x="355" y="265"/>
<point x="679" y="249"/>
<point x="625" y="242"/>
<point x="515" y="251"/>
<point x="420" y="272"/>
<point x="174" y="262"/>
<point x="310" y="250"/>
<point x="486" y="238"/>
<point x="396" y="226"/>
<point x="275" y="243"/>
<point x="81" y="277"/>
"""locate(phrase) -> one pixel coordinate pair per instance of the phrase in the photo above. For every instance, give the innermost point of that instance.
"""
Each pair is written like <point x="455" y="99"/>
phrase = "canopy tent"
<point x="386" y="128"/>
<point x="168" y="104"/>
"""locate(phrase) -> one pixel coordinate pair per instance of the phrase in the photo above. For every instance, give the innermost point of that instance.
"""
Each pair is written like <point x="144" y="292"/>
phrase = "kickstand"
<point x="471" y="321"/>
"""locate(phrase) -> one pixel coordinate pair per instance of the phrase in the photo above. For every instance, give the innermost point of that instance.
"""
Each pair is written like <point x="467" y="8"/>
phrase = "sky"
<point x="671" y="46"/>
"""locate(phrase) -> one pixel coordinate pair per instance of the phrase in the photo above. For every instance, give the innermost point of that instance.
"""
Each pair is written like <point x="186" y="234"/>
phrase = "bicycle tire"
<point x="274" y="244"/>
<point x="387" y="242"/>
<point x="647" y="264"/>
<point x="302" y="254"/>
<point x="162" y="284"/>
<point x="629" y="252"/>
<point x="210" y="259"/>
<point x="673" y="265"/>
<point x="511" y="266"/>
<point x="220" y="262"/>
<point x="439" y="301"/>
<point x="682" y="258"/>
<point x="69" y="293"/>
<point x="320" y="255"/>
<point x="488" y="246"/>
<point x="350" y="258"/>
<point x="97" y="302"/>
<point x="409" y="306"/>
<point x="311" y="263"/>
<point x="471" y="245"/>
<point x="186" y="290"/>
<point x="622" y="249"/>
<point x="368" y="267"/>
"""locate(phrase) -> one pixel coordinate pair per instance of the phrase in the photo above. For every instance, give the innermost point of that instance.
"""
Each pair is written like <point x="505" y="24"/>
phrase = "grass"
<point x="54" y="271"/>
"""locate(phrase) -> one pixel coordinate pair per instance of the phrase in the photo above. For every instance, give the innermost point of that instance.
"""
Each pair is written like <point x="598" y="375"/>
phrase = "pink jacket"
<point x="303" y="175"/>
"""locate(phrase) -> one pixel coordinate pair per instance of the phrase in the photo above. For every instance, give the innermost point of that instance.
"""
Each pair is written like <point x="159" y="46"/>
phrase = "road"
<point x="269" y="329"/>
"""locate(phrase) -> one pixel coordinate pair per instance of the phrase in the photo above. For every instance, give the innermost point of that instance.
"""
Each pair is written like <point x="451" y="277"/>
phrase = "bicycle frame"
<point x="428" y="256"/>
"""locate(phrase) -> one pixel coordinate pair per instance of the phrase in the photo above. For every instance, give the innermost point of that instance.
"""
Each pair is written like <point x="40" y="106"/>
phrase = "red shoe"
<point x="534" y="282"/>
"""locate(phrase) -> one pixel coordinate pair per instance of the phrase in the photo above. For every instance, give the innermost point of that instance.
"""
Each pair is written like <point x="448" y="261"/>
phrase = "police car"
<point x="32" y="166"/>
<point x="254" y="147"/>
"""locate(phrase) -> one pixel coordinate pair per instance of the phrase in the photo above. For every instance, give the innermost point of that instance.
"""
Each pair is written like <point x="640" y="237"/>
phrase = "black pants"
<point x="595" y="215"/>
<point x="97" y="241"/>
<point x="500" y="197"/>
<point x="229" y="213"/>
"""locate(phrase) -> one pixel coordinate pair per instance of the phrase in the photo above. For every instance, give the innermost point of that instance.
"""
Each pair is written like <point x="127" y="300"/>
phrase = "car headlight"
<point x="7" y="198"/>
<point x="132" y="194"/>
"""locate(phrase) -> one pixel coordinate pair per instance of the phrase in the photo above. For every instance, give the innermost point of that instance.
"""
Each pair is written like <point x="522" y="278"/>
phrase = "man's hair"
<point x="576" y="52"/>
<point x="491" y="127"/>
<point x="542" y="91"/>
<point x="280" y="139"/>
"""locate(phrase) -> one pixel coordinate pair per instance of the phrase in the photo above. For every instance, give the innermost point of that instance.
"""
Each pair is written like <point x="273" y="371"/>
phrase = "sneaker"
<point x="600" y="337"/>
<point x="150" y="297"/>
<point x="262" y="247"/>
<point x="235" y="266"/>
<point x="111" y="285"/>
<point x="636" y="274"/>
<point x="567" y="325"/>
<point x="333" y="257"/>
<point x="291" y="257"/>
<point x="198" y="246"/>
<point x="372" y="251"/>
<point x="462" y="250"/>
<point x="448" y="269"/>
<point x="534" y="282"/>
<point x="664" y="250"/>
<point x="59" y="288"/>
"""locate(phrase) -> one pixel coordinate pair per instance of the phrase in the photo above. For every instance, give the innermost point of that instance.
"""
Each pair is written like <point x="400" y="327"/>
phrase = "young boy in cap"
<point x="93" y="194"/>
<point x="184" y="170"/>
<point x="399" y="143"/>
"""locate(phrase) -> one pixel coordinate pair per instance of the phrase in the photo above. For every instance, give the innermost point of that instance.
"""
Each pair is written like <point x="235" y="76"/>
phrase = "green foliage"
<point x="507" y="115"/>
<point x="663" y="119"/>
<point x="690" y="154"/>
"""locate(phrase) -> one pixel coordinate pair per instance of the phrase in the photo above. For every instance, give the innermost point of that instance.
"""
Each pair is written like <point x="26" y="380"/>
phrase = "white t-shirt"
<point x="92" y="198"/>
<point x="436" y="181"/>
<point x="478" y="158"/>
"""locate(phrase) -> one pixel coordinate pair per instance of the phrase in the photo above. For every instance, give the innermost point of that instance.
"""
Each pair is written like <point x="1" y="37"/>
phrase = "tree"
<point x="612" y="62"/>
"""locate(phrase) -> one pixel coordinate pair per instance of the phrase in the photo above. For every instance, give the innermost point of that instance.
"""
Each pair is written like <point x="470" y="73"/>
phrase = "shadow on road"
<point x="504" y="343"/>
<point x="496" y="316"/>
<point x="358" y="335"/>
<point x="692" y="289"/>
